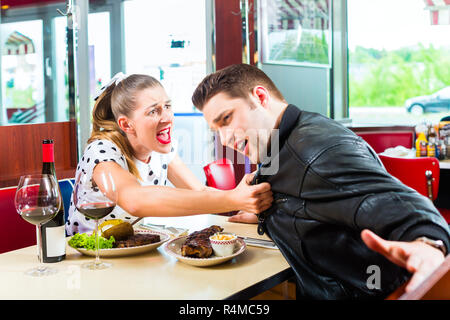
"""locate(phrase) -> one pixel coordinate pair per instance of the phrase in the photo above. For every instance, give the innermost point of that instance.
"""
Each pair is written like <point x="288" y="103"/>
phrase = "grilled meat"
<point x="138" y="239"/>
<point x="197" y="244"/>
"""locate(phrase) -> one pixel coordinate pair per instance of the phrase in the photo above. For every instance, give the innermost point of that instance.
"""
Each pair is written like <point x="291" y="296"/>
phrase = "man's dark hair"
<point x="237" y="81"/>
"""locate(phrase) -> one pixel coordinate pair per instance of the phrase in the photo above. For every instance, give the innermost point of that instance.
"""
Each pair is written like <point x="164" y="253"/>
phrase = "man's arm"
<point x="417" y="257"/>
<point x="351" y="188"/>
<point x="382" y="207"/>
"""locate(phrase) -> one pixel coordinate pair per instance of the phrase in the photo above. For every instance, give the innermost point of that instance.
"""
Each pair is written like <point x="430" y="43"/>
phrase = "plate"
<point x="123" y="252"/>
<point x="173" y="248"/>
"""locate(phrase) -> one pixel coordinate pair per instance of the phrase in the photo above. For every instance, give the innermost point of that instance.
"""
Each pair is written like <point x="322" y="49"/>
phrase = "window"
<point x="398" y="60"/>
<point x="99" y="51"/>
<point x="167" y="40"/>
<point x="23" y="95"/>
<point x="164" y="39"/>
<point x="34" y="87"/>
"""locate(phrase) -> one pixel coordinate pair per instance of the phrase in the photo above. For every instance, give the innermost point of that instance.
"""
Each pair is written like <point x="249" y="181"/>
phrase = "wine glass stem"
<point x="41" y="252"/>
<point x="97" y="245"/>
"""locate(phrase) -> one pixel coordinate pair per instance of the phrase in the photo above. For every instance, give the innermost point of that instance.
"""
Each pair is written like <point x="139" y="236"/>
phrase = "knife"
<point x="259" y="242"/>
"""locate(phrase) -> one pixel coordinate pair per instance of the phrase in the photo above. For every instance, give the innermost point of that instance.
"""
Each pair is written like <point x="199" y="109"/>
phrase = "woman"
<point x="131" y="139"/>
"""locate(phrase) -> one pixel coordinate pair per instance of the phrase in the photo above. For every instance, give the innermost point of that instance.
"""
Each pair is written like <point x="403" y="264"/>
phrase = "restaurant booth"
<point x="81" y="44"/>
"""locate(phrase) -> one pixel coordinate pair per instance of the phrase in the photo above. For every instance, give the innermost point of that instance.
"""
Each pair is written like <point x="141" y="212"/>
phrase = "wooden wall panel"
<point x="228" y="33"/>
<point x="30" y="3"/>
<point x="21" y="150"/>
<point x="228" y="50"/>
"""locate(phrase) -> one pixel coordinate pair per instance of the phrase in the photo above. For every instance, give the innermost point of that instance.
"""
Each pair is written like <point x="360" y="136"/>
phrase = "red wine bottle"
<point x="53" y="232"/>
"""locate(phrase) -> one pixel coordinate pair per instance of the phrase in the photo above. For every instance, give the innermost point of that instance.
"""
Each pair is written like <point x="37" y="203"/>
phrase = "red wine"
<point x="96" y="210"/>
<point x="37" y="215"/>
<point x="53" y="232"/>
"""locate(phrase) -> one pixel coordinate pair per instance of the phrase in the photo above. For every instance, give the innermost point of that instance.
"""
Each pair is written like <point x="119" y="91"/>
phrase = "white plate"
<point x="122" y="252"/>
<point x="173" y="248"/>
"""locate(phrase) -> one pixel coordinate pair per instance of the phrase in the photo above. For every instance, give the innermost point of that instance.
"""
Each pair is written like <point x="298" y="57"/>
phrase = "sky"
<point x="392" y="24"/>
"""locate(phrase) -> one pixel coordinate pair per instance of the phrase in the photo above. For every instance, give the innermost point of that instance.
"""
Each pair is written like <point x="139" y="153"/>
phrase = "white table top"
<point x="154" y="275"/>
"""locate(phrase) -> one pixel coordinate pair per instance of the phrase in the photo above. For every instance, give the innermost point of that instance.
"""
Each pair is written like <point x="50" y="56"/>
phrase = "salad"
<point x="86" y="241"/>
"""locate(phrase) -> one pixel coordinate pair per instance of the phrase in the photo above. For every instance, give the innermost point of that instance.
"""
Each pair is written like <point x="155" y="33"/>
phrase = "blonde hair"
<point x="119" y="100"/>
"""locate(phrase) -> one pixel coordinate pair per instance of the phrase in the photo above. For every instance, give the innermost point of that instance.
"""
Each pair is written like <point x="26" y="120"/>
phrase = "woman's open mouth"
<point x="163" y="136"/>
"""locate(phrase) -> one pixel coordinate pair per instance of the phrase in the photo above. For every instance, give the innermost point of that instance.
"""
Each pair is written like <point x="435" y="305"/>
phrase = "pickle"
<point x="120" y="231"/>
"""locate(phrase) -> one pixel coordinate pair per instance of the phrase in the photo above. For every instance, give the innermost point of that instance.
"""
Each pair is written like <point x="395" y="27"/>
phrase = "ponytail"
<point x="104" y="126"/>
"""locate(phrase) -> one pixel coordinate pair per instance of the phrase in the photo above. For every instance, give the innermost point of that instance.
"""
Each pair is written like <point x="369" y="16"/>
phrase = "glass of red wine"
<point x="95" y="202"/>
<point x="38" y="200"/>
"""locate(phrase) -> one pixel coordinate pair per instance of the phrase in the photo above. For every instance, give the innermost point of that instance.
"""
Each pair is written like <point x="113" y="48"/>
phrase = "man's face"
<point x="243" y="124"/>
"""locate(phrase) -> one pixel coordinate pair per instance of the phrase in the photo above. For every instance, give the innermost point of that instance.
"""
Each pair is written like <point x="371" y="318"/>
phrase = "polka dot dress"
<point x="152" y="173"/>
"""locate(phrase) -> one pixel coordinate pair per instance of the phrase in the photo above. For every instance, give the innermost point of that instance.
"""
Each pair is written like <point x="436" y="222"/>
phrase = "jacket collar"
<point x="287" y="124"/>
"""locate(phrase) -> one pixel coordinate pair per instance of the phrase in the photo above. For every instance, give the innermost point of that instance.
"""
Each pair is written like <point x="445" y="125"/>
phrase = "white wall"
<point x="195" y="142"/>
<point x="305" y="87"/>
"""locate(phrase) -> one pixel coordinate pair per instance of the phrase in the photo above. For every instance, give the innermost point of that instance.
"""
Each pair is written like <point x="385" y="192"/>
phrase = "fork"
<point x="161" y="226"/>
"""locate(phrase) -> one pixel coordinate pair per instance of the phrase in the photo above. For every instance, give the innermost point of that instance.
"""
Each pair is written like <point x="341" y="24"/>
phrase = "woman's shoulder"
<point x="101" y="150"/>
<point x="102" y="143"/>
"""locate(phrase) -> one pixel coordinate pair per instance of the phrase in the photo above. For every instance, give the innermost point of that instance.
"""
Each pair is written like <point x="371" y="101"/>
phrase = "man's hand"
<point x="417" y="257"/>
<point x="244" y="217"/>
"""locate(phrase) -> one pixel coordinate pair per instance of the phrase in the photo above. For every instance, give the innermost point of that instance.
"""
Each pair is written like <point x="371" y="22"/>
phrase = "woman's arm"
<point x="181" y="177"/>
<point x="166" y="201"/>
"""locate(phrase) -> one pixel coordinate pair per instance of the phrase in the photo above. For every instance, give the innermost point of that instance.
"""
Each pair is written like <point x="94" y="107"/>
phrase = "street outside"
<point x="391" y="115"/>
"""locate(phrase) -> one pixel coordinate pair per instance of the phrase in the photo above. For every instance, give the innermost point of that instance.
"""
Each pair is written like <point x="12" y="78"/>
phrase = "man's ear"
<point x="125" y="124"/>
<point x="261" y="94"/>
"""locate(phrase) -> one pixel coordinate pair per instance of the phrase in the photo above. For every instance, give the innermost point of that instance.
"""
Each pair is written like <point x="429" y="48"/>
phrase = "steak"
<point x="197" y="244"/>
<point x="138" y="239"/>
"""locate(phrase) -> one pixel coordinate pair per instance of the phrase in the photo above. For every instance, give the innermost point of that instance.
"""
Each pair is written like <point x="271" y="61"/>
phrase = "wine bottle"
<point x="53" y="232"/>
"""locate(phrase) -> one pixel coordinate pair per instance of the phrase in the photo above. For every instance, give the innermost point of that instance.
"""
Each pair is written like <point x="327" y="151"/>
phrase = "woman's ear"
<point x="261" y="94"/>
<point x="125" y="124"/>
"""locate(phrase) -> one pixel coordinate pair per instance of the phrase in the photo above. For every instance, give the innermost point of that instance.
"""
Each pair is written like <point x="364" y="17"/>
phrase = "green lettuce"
<point x="83" y="240"/>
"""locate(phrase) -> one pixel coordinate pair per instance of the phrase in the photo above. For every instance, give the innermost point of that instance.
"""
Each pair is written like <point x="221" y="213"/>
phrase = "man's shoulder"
<point x="315" y="133"/>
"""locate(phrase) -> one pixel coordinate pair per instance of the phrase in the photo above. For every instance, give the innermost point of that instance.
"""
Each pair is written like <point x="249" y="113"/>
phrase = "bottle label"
<point x="47" y="153"/>
<point x="56" y="241"/>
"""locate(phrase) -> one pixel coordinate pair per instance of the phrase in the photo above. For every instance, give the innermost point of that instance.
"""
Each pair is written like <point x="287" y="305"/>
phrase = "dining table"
<point x="154" y="275"/>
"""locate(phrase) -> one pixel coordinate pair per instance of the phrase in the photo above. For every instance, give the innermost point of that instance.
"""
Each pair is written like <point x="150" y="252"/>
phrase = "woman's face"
<point x="152" y="120"/>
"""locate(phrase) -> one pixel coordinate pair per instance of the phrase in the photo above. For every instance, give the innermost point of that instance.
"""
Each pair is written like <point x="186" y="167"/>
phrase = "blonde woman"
<point x="131" y="139"/>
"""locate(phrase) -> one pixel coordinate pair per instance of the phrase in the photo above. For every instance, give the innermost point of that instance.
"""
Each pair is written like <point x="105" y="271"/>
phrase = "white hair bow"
<point x="116" y="80"/>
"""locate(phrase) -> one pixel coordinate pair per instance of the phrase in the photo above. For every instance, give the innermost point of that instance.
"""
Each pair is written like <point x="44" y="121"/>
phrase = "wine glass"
<point x="95" y="202"/>
<point x="38" y="200"/>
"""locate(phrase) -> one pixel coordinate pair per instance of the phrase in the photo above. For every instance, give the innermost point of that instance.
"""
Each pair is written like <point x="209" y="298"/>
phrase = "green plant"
<point x="20" y="98"/>
<point x="389" y="78"/>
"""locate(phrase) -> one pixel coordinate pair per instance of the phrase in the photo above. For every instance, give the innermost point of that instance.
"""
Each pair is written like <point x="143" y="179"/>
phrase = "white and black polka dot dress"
<point x="152" y="173"/>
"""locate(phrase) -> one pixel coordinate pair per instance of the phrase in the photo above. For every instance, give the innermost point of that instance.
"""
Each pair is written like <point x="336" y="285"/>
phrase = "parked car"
<point x="436" y="102"/>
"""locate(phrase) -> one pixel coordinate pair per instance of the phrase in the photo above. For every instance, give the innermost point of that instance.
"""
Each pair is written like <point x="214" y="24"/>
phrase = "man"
<point x="333" y="199"/>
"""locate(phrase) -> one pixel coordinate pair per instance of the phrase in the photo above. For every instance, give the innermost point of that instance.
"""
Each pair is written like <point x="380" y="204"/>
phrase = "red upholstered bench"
<point x="15" y="233"/>
<point x="381" y="140"/>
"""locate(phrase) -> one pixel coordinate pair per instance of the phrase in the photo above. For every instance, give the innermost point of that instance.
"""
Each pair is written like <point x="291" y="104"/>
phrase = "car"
<point x="436" y="102"/>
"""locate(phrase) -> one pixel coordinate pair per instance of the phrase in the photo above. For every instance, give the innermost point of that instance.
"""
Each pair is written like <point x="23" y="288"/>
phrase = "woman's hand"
<point x="251" y="198"/>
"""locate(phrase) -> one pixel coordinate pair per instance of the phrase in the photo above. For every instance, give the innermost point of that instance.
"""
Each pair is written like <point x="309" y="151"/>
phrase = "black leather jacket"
<point x="330" y="185"/>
